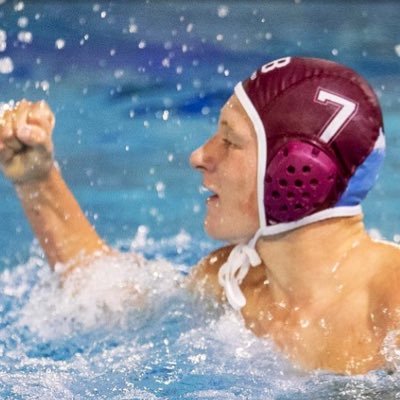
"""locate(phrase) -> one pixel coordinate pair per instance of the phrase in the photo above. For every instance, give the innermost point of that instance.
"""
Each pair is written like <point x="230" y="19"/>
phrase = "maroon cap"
<point x="313" y="110"/>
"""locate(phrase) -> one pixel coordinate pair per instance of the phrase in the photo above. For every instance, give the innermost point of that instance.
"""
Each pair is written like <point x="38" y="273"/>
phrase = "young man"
<point x="298" y="146"/>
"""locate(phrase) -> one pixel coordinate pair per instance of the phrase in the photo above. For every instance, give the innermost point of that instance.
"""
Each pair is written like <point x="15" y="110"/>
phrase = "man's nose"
<point x="202" y="157"/>
<point x="196" y="157"/>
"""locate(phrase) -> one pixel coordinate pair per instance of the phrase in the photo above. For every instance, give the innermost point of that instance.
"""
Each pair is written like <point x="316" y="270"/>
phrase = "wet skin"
<point x="326" y="294"/>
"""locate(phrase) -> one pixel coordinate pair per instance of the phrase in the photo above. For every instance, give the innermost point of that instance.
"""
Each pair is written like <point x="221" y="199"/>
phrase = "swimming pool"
<point x="136" y="86"/>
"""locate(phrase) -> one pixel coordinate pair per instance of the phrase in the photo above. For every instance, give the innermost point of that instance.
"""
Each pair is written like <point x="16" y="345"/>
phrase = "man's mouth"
<point x="212" y="196"/>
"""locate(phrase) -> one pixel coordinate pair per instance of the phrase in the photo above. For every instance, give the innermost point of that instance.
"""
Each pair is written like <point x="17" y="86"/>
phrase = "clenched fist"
<point x="26" y="147"/>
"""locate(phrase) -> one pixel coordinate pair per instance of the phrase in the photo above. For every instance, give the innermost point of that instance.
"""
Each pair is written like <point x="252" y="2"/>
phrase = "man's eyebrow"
<point x="227" y="125"/>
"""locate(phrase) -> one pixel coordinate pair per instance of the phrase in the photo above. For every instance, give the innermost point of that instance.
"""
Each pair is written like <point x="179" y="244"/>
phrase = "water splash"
<point x="125" y="327"/>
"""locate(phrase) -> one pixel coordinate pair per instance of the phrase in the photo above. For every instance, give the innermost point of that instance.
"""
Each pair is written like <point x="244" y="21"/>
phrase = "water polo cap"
<point x="320" y="144"/>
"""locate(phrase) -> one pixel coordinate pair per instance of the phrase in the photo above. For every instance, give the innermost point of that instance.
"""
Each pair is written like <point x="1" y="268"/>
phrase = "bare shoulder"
<point x="386" y="256"/>
<point x="204" y="276"/>
<point x="385" y="284"/>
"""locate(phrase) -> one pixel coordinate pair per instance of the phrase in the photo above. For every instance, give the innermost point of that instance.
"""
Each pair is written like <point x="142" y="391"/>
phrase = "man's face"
<point x="228" y="162"/>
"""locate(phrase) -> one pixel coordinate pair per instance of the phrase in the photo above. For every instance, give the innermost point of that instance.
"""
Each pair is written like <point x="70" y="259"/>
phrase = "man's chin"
<point x="222" y="235"/>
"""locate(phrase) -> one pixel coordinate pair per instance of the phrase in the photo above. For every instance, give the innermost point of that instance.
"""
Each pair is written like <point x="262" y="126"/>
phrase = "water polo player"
<point x="297" y="148"/>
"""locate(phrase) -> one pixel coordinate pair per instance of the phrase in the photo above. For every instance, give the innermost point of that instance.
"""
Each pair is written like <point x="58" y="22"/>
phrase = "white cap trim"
<point x="334" y="212"/>
<point x="261" y="148"/>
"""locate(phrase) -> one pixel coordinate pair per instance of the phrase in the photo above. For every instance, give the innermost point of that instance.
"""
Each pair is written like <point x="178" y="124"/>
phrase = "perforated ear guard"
<point x="301" y="178"/>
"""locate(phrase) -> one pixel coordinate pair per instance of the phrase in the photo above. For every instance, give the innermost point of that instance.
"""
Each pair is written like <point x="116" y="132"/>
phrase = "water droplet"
<point x="166" y="62"/>
<point x="205" y="110"/>
<point x="118" y="73"/>
<point x="6" y="65"/>
<point x="19" y="6"/>
<point x="160" y="188"/>
<point x="45" y="85"/>
<point x="23" y="22"/>
<point x="133" y="28"/>
<point x="304" y="323"/>
<point x="60" y="44"/>
<point x="3" y="40"/>
<point x="25" y="37"/>
<point x="165" y="115"/>
<point x="223" y="11"/>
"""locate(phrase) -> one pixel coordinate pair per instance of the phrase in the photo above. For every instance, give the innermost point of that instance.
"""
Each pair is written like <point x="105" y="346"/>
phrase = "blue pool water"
<point x="136" y="86"/>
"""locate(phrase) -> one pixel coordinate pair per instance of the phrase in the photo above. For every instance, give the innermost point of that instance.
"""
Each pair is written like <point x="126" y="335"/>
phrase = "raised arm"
<point x="26" y="158"/>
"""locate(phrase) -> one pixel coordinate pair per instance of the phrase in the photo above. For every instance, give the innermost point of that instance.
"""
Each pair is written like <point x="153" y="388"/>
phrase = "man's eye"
<point x="227" y="142"/>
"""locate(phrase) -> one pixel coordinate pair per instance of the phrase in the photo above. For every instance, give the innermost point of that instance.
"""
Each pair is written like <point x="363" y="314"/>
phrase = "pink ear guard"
<point x="300" y="179"/>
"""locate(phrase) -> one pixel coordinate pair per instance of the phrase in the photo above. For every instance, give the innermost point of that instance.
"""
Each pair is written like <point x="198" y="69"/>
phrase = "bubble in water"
<point x="6" y="65"/>
<point x="397" y="49"/>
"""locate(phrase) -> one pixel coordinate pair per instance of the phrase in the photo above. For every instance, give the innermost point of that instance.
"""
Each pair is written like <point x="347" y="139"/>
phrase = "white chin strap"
<point x="234" y="270"/>
<point x="244" y="256"/>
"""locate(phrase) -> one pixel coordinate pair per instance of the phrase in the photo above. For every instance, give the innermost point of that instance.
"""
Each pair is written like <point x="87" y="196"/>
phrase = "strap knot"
<point x="234" y="270"/>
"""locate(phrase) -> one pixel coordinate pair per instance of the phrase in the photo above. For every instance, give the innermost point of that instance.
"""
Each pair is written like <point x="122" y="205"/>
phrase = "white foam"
<point x="100" y="293"/>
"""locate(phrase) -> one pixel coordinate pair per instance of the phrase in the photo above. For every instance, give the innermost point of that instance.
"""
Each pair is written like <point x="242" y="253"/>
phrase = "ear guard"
<point x="301" y="178"/>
